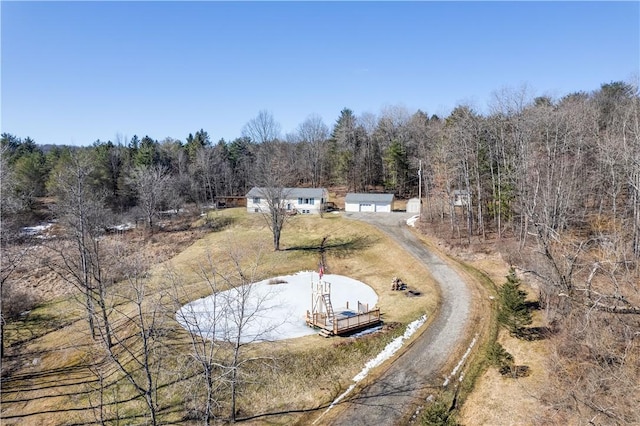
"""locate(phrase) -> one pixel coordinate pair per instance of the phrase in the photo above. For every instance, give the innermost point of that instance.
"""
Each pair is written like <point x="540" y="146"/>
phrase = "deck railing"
<point x="343" y="325"/>
<point x="357" y="321"/>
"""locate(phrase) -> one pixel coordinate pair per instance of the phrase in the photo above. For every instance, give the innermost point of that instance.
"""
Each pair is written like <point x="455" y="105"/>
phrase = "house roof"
<point x="354" y="197"/>
<point x="290" y="192"/>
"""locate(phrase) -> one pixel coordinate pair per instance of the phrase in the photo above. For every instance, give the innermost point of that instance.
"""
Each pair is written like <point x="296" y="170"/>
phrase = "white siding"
<point x="384" y="208"/>
<point x="253" y="207"/>
<point x="413" y="206"/>
<point x="364" y="202"/>
<point x="367" y="207"/>
<point x="351" y="207"/>
<point x="310" y="203"/>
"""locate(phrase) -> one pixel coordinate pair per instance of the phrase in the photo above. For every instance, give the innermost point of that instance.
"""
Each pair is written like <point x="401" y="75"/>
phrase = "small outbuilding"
<point x="413" y="205"/>
<point x="228" y="201"/>
<point x="461" y="197"/>
<point x="372" y="203"/>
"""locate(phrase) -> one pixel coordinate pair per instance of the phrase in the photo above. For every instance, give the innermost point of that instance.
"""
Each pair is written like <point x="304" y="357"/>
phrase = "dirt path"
<point x="406" y="382"/>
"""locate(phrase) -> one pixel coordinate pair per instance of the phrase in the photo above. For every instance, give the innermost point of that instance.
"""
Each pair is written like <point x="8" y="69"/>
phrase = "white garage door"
<point x="366" y="207"/>
<point x="383" y="208"/>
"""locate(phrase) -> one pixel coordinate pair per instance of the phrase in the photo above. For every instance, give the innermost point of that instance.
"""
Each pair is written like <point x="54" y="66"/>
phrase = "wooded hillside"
<point x="560" y="177"/>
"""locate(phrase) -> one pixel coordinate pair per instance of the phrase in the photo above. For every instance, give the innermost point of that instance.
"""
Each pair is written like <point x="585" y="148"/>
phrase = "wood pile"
<point x="398" y="285"/>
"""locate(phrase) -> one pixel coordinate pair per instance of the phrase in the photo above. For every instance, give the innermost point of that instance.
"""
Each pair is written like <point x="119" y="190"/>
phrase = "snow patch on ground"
<point x="389" y="350"/>
<point x="123" y="227"/>
<point x="367" y="331"/>
<point x="272" y="312"/>
<point x="412" y="220"/>
<point x="461" y="362"/>
<point x="36" y="231"/>
<point x="172" y="211"/>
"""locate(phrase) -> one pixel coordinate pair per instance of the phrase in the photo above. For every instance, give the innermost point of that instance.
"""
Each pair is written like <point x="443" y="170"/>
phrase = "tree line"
<point x="502" y="159"/>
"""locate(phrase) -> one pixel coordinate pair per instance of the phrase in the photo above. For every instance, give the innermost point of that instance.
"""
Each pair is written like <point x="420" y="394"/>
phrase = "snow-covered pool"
<point x="271" y="311"/>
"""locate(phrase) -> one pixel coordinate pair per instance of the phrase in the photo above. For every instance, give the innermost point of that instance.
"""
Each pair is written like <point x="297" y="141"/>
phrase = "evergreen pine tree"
<point x="513" y="312"/>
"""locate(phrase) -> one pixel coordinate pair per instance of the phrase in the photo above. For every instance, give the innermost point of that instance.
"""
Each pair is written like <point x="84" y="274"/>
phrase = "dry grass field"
<point x="48" y="378"/>
<point x="500" y="400"/>
<point x="497" y="399"/>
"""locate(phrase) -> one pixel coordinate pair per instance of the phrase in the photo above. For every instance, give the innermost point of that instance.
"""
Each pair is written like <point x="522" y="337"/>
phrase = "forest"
<point x="529" y="162"/>
<point x="557" y="179"/>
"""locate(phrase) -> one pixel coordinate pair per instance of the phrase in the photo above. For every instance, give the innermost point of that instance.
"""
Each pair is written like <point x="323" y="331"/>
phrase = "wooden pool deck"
<point x="343" y="322"/>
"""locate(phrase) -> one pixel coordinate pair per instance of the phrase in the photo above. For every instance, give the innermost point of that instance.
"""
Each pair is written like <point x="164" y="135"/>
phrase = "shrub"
<point x="498" y="356"/>
<point x="15" y="301"/>
<point x="438" y="414"/>
<point x="513" y="312"/>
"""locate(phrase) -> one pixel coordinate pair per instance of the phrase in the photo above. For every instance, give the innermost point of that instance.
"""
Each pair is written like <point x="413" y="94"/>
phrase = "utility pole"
<point x="420" y="191"/>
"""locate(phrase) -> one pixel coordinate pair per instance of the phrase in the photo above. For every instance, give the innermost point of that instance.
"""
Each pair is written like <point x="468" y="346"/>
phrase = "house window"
<point x="300" y="200"/>
<point x="256" y="200"/>
<point x="311" y="201"/>
<point x="305" y="201"/>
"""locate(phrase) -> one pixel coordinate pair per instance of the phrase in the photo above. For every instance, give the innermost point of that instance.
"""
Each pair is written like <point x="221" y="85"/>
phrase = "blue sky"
<point x="75" y="72"/>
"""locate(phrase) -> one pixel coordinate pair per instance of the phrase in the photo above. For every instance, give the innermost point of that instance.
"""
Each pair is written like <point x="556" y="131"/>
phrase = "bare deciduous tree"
<point x="272" y="179"/>
<point x="13" y="300"/>
<point x="136" y="345"/>
<point x="10" y="259"/>
<point x="150" y="184"/>
<point x="220" y="330"/>
<point x="313" y="134"/>
<point x="202" y="326"/>
<point x="81" y="210"/>
<point x="263" y="128"/>
<point x="276" y="215"/>
<point x="245" y="307"/>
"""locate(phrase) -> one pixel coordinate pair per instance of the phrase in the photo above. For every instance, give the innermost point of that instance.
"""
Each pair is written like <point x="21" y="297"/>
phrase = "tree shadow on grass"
<point x="536" y="333"/>
<point x="380" y="397"/>
<point x="533" y="305"/>
<point x="340" y="247"/>
<point x="80" y="380"/>
<point x="109" y="418"/>
<point x="34" y="325"/>
<point x="21" y="353"/>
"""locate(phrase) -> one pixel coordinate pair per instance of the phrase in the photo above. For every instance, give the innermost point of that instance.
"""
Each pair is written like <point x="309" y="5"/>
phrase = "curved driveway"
<point x="404" y="384"/>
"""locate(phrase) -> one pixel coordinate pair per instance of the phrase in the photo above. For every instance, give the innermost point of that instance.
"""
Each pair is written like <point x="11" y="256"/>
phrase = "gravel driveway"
<point x="403" y="386"/>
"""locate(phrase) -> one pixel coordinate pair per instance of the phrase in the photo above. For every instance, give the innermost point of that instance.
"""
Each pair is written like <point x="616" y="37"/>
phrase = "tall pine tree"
<point x="513" y="312"/>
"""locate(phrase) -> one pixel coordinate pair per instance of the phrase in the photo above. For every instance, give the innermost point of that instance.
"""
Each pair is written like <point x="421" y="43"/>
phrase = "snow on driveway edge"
<point x="389" y="350"/>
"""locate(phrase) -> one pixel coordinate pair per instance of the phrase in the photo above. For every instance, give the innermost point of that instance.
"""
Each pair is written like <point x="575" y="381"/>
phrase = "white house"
<point x="359" y="202"/>
<point x="300" y="200"/>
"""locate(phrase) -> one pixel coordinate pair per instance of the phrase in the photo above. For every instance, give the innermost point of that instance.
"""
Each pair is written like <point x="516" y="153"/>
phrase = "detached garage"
<point x="373" y="203"/>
